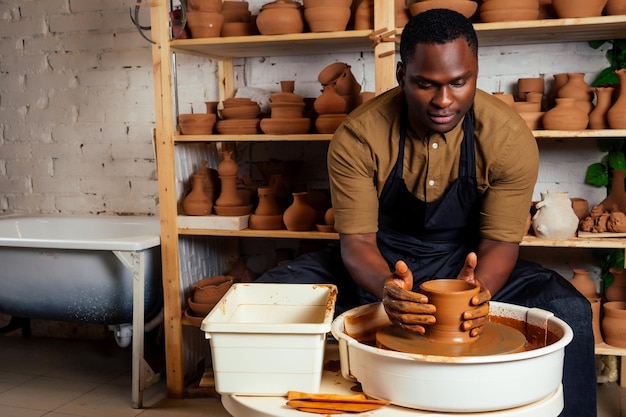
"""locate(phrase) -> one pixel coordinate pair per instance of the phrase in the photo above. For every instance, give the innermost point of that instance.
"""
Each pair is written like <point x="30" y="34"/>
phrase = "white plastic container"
<point x="267" y="339"/>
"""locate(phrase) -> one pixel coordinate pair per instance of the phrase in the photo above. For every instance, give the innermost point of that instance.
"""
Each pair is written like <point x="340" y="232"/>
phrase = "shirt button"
<point x="431" y="183"/>
<point x="435" y="145"/>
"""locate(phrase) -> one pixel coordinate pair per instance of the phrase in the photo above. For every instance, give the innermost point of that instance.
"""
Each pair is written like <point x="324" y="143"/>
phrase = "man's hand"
<point x="409" y="310"/>
<point x="476" y="318"/>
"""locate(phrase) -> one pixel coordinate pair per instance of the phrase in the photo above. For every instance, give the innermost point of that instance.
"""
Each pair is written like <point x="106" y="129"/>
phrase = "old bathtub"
<point x="100" y="270"/>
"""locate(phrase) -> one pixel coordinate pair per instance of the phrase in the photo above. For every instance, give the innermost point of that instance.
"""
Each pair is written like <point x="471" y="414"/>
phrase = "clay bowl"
<point x="525" y="106"/>
<point x="580" y="8"/>
<point x="530" y="85"/>
<point x="328" y="123"/>
<point x="286" y="110"/>
<point x="283" y="97"/>
<point x="240" y="112"/>
<point x="205" y="24"/>
<point x="269" y="222"/>
<point x="466" y="7"/>
<point x="507" y="16"/>
<point x="332" y="72"/>
<point x="236" y="29"/>
<point x="327" y="228"/>
<point x="200" y="309"/>
<point x="325" y="3"/>
<point x="327" y="18"/>
<point x="192" y="318"/>
<point x="204" y="5"/>
<point x="238" y="126"/>
<point x="533" y="119"/>
<point x="196" y="124"/>
<point x="238" y="101"/>
<point x="211" y="289"/>
<point x="275" y="126"/>
<point x="232" y="210"/>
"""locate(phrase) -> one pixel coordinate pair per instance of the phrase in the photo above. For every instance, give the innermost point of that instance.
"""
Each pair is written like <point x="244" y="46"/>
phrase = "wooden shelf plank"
<point x="604" y="349"/>
<point x="580" y="134"/>
<point x="280" y="234"/>
<point x="611" y="243"/>
<point x="309" y="137"/>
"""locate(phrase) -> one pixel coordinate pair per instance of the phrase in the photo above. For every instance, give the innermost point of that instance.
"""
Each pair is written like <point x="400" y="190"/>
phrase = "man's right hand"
<point x="408" y="309"/>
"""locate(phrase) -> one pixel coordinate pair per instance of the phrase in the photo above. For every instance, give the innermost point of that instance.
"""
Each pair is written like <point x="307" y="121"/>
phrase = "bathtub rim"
<point x="128" y="243"/>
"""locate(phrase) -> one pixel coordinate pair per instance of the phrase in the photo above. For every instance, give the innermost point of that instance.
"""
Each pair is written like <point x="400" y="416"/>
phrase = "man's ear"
<point x="400" y="74"/>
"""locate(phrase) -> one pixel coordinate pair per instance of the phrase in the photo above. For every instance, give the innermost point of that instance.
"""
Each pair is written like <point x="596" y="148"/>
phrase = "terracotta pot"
<point x="565" y="115"/>
<point x="596" y="322"/>
<point x="229" y="196"/>
<point x="576" y="87"/>
<point x="401" y="13"/>
<point x="234" y="5"/>
<point x="269" y="222"/>
<point x="205" y="24"/>
<point x="614" y="323"/>
<point x="286" y="110"/>
<point x="466" y="7"/>
<point x="583" y="283"/>
<point x="332" y="72"/>
<point x="578" y="8"/>
<point x="451" y="297"/>
<point x="616" y="291"/>
<point x="504" y="11"/>
<point x="324" y="3"/>
<point x="196" y="124"/>
<point x="204" y="5"/>
<point x="598" y="116"/>
<point x="280" y="17"/>
<point x="617" y="195"/>
<point x="287" y="86"/>
<point x="236" y="29"/>
<point x="198" y="202"/>
<point x="300" y="216"/>
<point x="615" y="7"/>
<point x="268" y="205"/>
<point x="581" y="207"/>
<point x="555" y="217"/>
<point x="241" y="112"/>
<point x="327" y="19"/>
<point x="227" y="166"/>
<point x="329" y="102"/>
<point x="530" y="85"/>
<point x="212" y="289"/>
<point x="559" y="81"/>
<point x="364" y="15"/>
<point x="616" y="116"/>
<point x="328" y="123"/>
<point x="284" y="126"/>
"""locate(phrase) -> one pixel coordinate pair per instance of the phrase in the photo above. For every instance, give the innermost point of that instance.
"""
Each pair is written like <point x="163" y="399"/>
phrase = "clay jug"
<point x="565" y="115"/>
<point x="576" y="87"/>
<point x="451" y="297"/>
<point x="198" y="202"/>
<point x="578" y="8"/>
<point x="598" y="116"/>
<point x="559" y="81"/>
<point x="268" y="205"/>
<point x="617" y="195"/>
<point x="616" y="291"/>
<point x="616" y="116"/>
<point x="596" y="311"/>
<point x="614" y="323"/>
<point x="329" y="102"/>
<point x="583" y="283"/>
<point x="300" y="215"/>
<point x="280" y="17"/>
<point x="555" y="217"/>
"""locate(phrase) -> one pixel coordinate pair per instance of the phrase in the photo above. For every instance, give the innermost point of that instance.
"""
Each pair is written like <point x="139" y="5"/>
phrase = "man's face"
<point x="439" y="83"/>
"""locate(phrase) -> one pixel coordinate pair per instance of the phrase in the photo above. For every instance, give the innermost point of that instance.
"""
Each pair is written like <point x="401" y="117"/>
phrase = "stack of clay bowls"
<point x="507" y="11"/>
<point x="327" y="15"/>
<point x="530" y="95"/>
<point x="286" y="113"/>
<point x="466" y="7"/>
<point x="238" y="20"/>
<point x="280" y="17"/>
<point x="206" y="293"/>
<point x="239" y="116"/>
<point x="205" y="18"/>
<point x="196" y="123"/>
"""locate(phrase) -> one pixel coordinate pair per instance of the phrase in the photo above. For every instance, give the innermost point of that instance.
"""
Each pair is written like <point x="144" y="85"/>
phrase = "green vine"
<point x="607" y="259"/>
<point x="616" y="56"/>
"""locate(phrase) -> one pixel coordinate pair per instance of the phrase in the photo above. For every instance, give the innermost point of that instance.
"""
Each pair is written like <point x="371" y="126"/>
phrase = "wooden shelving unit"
<point x="224" y="50"/>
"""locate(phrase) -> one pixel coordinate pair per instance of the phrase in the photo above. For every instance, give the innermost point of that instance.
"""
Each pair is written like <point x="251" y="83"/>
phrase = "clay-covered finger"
<point x="480" y="311"/>
<point x="400" y="294"/>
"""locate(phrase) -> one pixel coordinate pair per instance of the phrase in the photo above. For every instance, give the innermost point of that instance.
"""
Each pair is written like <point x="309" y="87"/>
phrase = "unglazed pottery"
<point x="559" y="81"/>
<point x="211" y="289"/>
<point x="280" y="17"/>
<point x="616" y="116"/>
<point x="205" y="24"/>
<point x="196" y="124"/>
<point x="329" y="102"/>
<point x="555" y="217"/>
<point x="565" y="115"/>
<point x="530" y="85"/>
<point x="615" y="7"/>
<point x="204" y="5"/>
<point x="614" y="323"/>
<point x="616" y="291"/>
<point x="583" y="283"/>
<point x="198" y="202"/>
<point x="364" y="15"/>
<point x="300" y="215"/>
<point x="576" y="87"/>
<point x="578" y="8"/>
<point x="227" y="166"/>
<point x="505" y="11"/>
<point x="466" y="7"/>
<point x="598" y="116"/>
<point x="596" y="319"/>
<point x="617" y="195"/>
<point x="328" y="123"/>
<point x="327" y="18"/>
<point x="581" y="207"/>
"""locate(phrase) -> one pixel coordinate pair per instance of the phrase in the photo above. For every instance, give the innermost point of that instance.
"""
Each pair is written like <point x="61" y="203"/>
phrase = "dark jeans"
<point x="530" y="285"/>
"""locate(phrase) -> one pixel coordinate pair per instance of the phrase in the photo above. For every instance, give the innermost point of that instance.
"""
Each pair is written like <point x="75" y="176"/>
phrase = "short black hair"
<point x="436" y="26"/>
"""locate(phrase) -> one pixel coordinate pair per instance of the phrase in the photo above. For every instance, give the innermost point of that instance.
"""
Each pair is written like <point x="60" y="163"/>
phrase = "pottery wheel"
<point x="496" y="339"/>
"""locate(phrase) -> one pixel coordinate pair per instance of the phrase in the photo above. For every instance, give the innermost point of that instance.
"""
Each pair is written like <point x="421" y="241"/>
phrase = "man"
<point x="434" y="179"/>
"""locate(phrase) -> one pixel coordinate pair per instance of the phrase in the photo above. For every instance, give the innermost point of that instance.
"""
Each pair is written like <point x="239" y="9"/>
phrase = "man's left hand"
<point x="476" y="318"/>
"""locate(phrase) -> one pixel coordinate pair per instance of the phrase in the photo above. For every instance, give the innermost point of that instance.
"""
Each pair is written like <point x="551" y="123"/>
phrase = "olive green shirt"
<point x="364" y="150"/>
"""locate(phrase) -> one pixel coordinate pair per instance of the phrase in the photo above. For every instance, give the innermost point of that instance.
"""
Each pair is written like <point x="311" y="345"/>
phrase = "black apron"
<point x="432" y="238"/>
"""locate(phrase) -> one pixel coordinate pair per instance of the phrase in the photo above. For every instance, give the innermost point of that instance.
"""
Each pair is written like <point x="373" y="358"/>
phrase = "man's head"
<point x="439" y="68"/>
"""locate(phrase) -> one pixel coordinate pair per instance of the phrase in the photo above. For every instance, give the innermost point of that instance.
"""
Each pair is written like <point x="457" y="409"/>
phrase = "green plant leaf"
<point x="606" y="77"/>
<point x="617" y="160"/>
<point x="597" y="175"/>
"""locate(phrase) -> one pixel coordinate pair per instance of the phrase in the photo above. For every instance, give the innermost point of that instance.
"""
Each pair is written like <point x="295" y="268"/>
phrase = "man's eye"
<point x="424" y="86"/>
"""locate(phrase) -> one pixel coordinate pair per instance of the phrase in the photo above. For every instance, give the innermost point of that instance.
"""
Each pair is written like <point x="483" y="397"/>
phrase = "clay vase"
<point x="578" y="8"/>
<point x="280" y="17"/>
<point x="268" y="205"/>
<point x="565" y="115"/>
<point x="617" y="195"/>
<point x="615" y="7"/>
<point x="598" y="116"/>
<point x="401" y="13"/>
<point x="227" y="166"/>
<point x="596" y="323"/>
<point x="559" y="81"/>
<point x="614" y="323"/>
<point x="616" y="116"/>
<point x="576" y="87"/>
<point x="555" y="217"/>
<point x="616" y="291"/>
<point x="581" y="207"/>
<point x="229" y="195"/>
<point x="364" y="15"/>
<point x="329" y="102"/>
<point x="198" y="202"/>
<point x="583" y="283"/>
<point x="300" y="215"/>
<point x="451" y="297"/>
